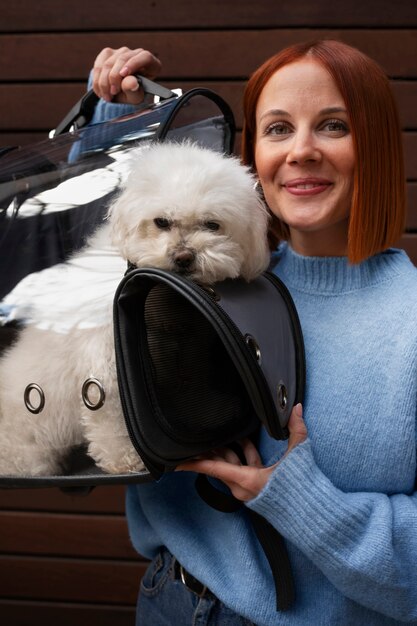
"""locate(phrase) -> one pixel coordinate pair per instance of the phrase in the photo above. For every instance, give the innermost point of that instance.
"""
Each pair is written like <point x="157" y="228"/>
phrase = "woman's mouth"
<point x="307" y="186"/>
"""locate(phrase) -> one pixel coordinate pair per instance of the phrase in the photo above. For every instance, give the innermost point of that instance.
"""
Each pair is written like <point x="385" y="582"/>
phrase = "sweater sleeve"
<point x="105" y="111"/>
<point x="365" y="543"/>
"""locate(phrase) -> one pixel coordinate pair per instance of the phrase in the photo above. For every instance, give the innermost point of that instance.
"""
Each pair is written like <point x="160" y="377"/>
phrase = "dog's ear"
<point x="258" y="257"/>
<point x="119" y="222"/>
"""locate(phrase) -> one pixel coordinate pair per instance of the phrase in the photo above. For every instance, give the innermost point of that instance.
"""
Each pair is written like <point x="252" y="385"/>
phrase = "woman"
<point x="322" y="134"/>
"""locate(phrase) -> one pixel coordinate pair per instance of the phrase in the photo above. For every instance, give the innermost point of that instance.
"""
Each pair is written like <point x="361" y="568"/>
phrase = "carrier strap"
<point x="270" y="539"/>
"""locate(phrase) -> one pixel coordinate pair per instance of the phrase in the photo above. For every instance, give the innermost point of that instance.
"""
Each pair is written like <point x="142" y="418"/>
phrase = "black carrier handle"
<point x="82" y="112"/>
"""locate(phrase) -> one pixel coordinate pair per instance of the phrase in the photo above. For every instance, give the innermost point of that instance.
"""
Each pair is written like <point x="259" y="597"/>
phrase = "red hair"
<point x="378" y="210"/>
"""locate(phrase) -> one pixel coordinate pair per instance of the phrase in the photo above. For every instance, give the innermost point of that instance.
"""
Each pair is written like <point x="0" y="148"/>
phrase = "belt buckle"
<point x="199" y="589"/>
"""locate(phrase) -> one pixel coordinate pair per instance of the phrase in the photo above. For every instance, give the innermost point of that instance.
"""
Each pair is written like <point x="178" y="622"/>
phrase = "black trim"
<point x="298" y="335"/>
<point x="211" y="95"/>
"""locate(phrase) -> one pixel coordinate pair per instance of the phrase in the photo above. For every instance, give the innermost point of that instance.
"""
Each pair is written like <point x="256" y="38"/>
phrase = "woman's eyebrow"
<point x="274" y="112"/>
<point x="330" y="110"/>
<point x="282" y="112"/>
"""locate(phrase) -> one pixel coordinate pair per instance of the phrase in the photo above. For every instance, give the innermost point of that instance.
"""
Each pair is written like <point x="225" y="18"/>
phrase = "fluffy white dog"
<point x="183" y="208"/>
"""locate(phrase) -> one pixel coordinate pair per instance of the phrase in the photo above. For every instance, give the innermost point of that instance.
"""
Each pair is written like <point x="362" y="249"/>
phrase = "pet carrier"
<point x="53" y="196"/>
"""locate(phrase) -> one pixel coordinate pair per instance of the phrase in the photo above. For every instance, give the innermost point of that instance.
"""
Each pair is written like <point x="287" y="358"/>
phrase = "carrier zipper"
<point x="298" y="334"/>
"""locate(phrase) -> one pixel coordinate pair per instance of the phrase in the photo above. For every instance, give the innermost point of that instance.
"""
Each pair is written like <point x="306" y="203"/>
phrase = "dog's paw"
<point x="124" y="461"/>
<point x="28" y="461"/>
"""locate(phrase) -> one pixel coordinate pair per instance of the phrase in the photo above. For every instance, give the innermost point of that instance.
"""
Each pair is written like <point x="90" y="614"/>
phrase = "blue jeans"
<point x="165" y="601"/>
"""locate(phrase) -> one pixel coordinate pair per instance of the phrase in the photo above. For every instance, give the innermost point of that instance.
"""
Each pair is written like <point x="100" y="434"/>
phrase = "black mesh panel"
<point x="194" y="379"/>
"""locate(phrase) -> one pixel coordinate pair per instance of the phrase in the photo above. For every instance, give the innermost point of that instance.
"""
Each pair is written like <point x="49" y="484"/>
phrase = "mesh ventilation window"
<point x="193" y="377"/>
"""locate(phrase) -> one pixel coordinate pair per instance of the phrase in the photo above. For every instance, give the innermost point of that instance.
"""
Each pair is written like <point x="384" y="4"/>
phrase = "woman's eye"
<point x="336" y="127"/>
<point x="162" y="223"/>
<point x="211" y="226"/>
<point x="277" y="128"/>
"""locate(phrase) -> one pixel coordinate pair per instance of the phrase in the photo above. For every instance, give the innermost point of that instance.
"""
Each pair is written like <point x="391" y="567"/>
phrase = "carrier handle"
<point x="82" y="112"/>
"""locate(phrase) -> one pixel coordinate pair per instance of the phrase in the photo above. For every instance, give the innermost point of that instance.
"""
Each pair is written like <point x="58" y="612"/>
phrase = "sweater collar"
<point x="333" y="275"/>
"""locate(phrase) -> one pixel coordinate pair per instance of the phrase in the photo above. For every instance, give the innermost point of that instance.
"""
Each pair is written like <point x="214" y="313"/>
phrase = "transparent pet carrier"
<point x="53" y="196"/>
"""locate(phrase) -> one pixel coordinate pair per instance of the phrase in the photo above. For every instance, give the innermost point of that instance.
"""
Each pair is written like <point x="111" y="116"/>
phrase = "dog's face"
<point x="194" y="243"/>
<point x="190" y="210"/>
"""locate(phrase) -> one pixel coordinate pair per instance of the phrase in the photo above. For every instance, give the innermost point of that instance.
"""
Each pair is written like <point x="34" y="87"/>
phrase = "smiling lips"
<point x="307" y="186"/>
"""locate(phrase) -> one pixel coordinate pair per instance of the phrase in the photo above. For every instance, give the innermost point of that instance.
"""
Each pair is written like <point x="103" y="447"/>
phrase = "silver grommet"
<point x="282" y="396"/>
<point x="254" y="347"/>
<point x="26" y="396"/>
<point x="90" y="382"/>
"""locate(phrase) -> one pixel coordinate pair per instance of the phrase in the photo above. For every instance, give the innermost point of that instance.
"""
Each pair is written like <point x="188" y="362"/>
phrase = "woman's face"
<point x="304" y="157"/>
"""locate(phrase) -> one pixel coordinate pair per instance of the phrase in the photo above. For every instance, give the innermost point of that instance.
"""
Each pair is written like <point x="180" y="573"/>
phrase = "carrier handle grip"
<point x="82" y="112"/>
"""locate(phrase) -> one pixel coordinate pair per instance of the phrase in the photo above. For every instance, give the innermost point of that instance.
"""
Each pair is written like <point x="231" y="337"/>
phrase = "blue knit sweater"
<point x="344" y="499"/>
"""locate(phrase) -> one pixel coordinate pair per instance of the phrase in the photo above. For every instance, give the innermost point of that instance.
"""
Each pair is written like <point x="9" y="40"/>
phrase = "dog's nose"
<point x="184" y="259"/>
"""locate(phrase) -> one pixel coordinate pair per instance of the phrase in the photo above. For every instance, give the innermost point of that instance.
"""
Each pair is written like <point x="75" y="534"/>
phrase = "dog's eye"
<point x="211" y="226"/>
<point x="162" y="222"/>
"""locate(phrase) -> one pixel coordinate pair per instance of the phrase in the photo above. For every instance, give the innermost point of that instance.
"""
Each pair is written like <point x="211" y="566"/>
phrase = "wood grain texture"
<point x="409" y="244"/>
<point x="191" y="54"/>
<point x="101" y="500"/>
<point x="103" y="536"/>
<point x="30" y="613"/>
<point x="59" y="15"/>
<point x="75" y="580"/>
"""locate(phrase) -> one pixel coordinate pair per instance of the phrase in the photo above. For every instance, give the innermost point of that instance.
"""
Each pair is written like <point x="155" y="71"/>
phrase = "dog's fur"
<point x="183" y="208"/>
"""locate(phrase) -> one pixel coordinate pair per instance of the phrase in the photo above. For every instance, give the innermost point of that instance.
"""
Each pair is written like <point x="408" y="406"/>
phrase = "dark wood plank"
<point x="191" y="54"/>
<point x="101" y="500"/>
<point x="65" y="535"/>
<point x="37" y="106"/>
<point x="49" y="102"/>
<point x="103" y="14"/>
<point x="24" y="138"/>
<point x="406" y="95"/>
<point x="66" y="580"/>
<point x="409" y="244"/>
<point x="412" y="206"/>
<point x="25" y="613"/>
<point x="410" y="152"/>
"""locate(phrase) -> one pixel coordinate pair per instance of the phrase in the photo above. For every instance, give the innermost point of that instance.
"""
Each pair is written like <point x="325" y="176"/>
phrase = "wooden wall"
<point x="67" y="559"/>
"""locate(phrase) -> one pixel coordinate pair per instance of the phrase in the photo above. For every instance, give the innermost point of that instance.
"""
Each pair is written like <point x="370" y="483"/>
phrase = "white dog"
<point x="183" y="208"/>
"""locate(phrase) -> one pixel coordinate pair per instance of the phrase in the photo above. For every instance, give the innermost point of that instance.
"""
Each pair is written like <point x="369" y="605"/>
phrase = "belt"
<point x="188" y="580"/>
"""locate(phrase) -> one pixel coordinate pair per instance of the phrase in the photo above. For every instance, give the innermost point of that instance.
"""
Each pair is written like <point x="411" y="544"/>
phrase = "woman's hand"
<point x="246" y="481"/>
<point x="113" y="73"/>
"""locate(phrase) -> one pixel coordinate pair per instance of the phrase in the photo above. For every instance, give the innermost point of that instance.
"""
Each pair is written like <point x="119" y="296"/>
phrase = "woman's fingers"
<point x="113" y="72"/>
<point x="101" y="68"/>
<point x="245" y="481"/>
<point x="251" y="453"/>
<point x="141" y="62"/>
<point x="296" y="427"/>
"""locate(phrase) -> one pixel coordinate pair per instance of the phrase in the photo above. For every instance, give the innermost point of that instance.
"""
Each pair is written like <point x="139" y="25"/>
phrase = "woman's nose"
<point x="303" y="147"/>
